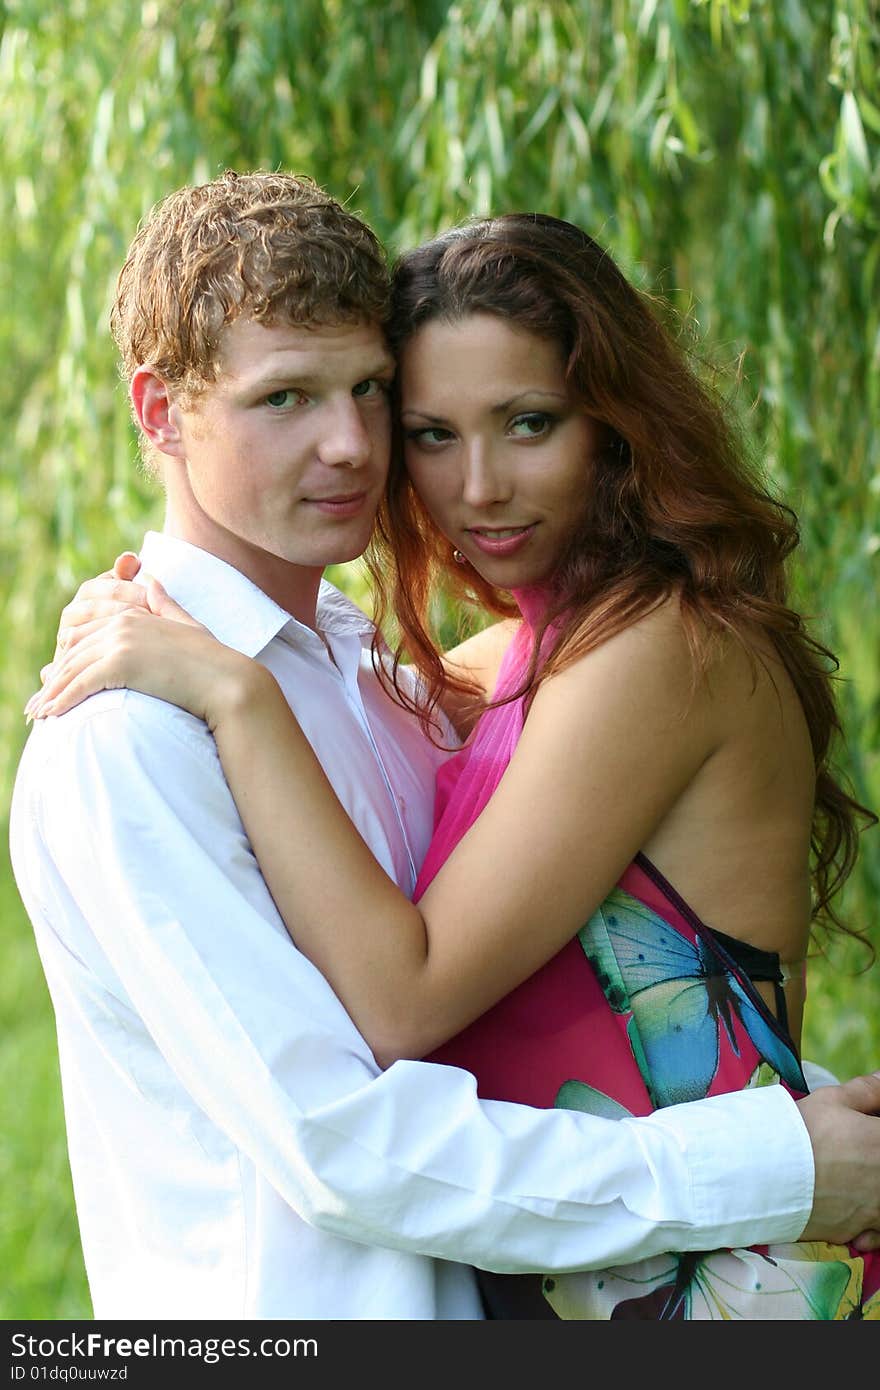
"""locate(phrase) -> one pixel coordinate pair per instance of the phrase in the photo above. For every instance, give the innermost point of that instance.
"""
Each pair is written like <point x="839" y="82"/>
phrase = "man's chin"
<point x="320" y="557"/>
<point x="336" y="550"/>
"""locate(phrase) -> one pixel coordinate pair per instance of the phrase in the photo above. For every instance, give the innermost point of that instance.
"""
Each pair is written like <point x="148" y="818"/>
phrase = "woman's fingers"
<point x="100" y="598"/>
<point x="107" y="596"/>
<point x="84" y="618"/>
<point x="83" y="671"/>
<point x="102" y="645"/>
<point x="172" y="658"/>
<point x="73" y="635"/>
<point x="126" y="565"/>
<point x="164" y="606"/>
<point x="108" y="586"/>
<point x="78" y="685"/>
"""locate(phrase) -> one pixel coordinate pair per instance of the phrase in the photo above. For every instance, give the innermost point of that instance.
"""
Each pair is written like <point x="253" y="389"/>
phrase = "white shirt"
<point x="235" y="1150"/>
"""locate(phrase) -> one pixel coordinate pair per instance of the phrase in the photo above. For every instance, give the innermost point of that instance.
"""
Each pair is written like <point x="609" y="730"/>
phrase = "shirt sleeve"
<point x="159" y="865"/>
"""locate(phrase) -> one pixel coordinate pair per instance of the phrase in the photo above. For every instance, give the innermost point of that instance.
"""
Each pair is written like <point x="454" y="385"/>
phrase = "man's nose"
<point x="345" y="438"/>
<point x="485" y="479"/>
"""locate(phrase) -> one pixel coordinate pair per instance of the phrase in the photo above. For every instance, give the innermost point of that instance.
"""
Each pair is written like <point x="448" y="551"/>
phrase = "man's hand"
<point x="843" y="1123"/>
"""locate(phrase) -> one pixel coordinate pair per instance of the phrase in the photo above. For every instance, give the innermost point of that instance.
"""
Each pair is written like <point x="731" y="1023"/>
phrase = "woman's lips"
<point x="501" y="540"/>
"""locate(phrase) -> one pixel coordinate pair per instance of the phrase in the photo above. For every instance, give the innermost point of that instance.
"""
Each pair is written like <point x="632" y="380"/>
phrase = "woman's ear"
<point x="156" y="411"/>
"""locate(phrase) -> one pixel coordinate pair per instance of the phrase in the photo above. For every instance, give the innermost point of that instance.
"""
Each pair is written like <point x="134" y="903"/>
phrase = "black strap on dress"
<point x="758" y="965"/>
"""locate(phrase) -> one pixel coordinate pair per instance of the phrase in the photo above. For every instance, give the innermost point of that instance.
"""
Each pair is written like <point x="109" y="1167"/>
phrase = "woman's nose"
<point x="485" y="479"/>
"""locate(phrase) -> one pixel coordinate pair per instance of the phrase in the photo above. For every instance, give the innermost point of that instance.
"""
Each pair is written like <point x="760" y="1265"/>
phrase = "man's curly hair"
<point x="273" y="248"/>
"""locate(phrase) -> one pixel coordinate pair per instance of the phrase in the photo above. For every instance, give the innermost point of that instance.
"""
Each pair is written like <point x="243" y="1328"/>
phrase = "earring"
<point x="459" y="558"/>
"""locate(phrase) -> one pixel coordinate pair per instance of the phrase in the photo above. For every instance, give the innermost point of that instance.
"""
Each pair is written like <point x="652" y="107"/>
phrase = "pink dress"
<point x="645" y="1007"/>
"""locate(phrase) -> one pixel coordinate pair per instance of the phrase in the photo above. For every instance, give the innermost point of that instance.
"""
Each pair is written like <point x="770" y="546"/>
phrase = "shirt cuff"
<point x="817" y="1076"/>
<point x="750" y="1163"/>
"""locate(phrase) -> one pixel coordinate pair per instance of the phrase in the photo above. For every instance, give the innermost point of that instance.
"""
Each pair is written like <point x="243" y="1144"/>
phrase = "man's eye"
<point x="279" y="399"/>
<point x="531" y="426"/>
<point x="371" y="387"/>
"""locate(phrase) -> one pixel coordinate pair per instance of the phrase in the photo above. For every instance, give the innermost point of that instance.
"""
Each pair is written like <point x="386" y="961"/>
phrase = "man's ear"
<point x="157" y="413"/>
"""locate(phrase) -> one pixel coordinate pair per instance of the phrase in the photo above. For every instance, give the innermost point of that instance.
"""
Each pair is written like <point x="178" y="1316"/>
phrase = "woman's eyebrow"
<point x="523" y="395"/>
<point x="498" y="409"/>
<point x="422" y="415"/>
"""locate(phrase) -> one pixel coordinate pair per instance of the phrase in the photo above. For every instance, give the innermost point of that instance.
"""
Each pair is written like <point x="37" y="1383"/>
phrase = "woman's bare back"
<point x="736" y="842"/>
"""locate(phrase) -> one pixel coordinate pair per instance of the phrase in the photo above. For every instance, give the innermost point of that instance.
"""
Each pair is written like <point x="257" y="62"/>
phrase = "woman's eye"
<point x="372" y="387"/>
<point x="531" y="426"/>
<point x="429" y="438"/>
<point x="278" y="400"/>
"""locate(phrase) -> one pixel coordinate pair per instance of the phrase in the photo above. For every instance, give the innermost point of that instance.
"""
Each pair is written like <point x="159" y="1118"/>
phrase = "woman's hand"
<point x="128" y="644"/>
<point x="107" y="594"/>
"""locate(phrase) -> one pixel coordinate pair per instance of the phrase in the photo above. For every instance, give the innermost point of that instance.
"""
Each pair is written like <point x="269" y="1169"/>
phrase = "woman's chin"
<point x="509" y="574"/>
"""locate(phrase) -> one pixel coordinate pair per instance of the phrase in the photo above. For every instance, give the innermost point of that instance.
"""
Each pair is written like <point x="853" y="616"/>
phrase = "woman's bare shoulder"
<point x="686" y="652"/>
<point x="479" y="658"/>
<point x="656" y="646"/>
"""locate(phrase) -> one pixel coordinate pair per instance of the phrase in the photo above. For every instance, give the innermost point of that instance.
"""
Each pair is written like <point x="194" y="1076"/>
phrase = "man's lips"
<point x="342" y="504"/>
<point x="501" y="540"/>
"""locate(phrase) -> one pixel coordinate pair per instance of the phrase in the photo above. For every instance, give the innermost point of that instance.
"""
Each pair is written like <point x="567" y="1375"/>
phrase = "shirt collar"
<point x="231" y="607"/>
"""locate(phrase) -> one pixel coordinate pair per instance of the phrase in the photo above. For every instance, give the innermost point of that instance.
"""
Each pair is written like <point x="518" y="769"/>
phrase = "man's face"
<point x="284" y="457"/>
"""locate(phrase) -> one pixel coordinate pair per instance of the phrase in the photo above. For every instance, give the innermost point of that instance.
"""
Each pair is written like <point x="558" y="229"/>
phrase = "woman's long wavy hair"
<point x="673" y="505"/>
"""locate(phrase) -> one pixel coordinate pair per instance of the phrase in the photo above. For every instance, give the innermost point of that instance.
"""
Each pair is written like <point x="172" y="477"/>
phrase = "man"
<point x="235" y="1151"/>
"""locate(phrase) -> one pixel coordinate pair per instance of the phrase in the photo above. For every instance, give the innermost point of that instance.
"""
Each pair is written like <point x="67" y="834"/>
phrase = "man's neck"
<point x="293" y="587"/>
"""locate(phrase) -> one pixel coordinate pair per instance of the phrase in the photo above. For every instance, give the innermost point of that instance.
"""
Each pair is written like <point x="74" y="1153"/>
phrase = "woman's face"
<point x="497" y="448"/>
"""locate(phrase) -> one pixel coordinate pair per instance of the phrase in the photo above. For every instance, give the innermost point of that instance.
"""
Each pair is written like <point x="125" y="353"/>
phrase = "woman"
<point x="658" y="717"/>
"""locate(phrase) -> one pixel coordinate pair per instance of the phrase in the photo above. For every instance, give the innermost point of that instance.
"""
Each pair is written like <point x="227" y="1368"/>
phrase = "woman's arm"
<point x="556" y="836"/>
<point x="476" y="660"/>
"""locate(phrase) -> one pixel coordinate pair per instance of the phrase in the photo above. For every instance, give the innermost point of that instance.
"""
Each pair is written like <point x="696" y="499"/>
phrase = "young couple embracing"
<point x="394" y="983"/>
